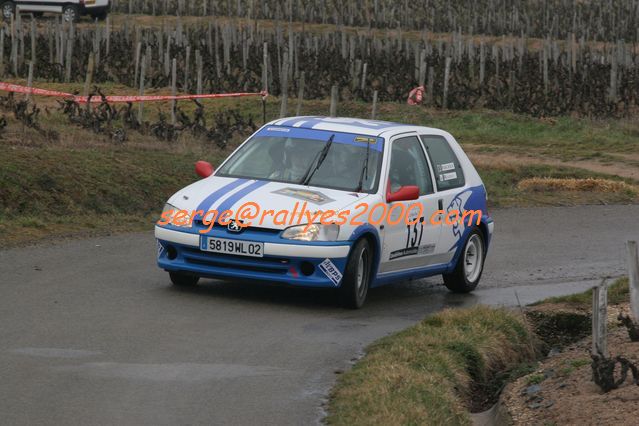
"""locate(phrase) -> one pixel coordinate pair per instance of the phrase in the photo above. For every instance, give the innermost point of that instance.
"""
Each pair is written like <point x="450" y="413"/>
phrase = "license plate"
<point x="237" y="247"/>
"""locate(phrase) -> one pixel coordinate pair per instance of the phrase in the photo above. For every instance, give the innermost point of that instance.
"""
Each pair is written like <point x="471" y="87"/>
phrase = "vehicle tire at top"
<point x="8" y="9"/>
<point x="183" y="280"/>
<point x="470" y="264"/>
<point x="70" y="13"/>
<point x="357" y="276"/>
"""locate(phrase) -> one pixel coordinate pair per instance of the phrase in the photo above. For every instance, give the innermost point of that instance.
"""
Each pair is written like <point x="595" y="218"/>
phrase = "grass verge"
<point x="429" y="373"/>
<point x="505" y="188"/>
<point x="618" y="292"/>
<point x="573" y="184"/>
<point x="64" y="192"/>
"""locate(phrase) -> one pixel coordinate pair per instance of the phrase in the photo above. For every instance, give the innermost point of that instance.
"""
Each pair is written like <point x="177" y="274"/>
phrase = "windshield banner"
<point x="375" y="143"/>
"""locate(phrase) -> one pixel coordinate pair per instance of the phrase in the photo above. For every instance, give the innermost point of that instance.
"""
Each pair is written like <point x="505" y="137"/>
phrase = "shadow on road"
<point x="417" y="294"/>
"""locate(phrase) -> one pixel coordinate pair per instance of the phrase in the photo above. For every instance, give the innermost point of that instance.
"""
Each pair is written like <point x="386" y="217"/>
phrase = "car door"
<point x="450" y="184"/>
<point x="408" y="246"/>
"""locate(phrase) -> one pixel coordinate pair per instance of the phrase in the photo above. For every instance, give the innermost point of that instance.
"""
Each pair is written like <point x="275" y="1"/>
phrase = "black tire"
<point x="70" y="13"/>
<point x="183" y="280"/>
<point x="459" y="281"/>
<point x="8" y="9"/>
<point x="354" y="288"/>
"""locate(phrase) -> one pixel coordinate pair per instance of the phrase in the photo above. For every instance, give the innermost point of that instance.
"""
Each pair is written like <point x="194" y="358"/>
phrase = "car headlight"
<point x="183" y="220"/>
<point x="314" y="232"/>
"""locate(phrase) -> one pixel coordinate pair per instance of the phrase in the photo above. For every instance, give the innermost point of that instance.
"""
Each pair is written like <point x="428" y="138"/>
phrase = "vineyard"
<point x="501" y="55"/>
<point x="594" y="20"/>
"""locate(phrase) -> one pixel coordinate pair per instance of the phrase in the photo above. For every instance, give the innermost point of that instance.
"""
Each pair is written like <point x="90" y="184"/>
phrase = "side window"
<point x="448" y="171"/>
<point x="409" y="166"/>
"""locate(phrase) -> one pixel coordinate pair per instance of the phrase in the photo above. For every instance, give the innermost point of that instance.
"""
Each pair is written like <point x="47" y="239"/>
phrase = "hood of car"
<point x="221" y="193"/>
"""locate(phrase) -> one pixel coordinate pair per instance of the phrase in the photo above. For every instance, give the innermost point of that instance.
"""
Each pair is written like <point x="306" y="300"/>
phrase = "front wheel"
<point x="8" y="10"/>
<point x="183" y="280"/>
<point x="70" y="13"/>
<point x="470" y="265"/>
<point x="357" y="276"/>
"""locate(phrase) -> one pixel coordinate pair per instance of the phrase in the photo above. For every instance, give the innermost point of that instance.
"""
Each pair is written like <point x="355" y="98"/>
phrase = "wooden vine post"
<point x="600" y="320"/>
<point x="633" y="278"/>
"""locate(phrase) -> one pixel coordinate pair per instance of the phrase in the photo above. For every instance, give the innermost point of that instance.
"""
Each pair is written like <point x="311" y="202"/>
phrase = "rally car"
<point x="343" y="165"/>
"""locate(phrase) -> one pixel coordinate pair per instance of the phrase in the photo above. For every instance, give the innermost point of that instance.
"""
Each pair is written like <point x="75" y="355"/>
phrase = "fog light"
<point x="307" y="268"/>
<point x="171" y="253"/>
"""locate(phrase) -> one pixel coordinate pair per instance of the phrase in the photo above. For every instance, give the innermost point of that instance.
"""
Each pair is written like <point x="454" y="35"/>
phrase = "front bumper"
<point x="90" y="9"/>
<point x="289" y="263"/>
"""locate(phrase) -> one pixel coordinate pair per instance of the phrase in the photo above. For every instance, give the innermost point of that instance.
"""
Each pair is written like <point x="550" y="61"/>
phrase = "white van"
<point x="70" y="9"/>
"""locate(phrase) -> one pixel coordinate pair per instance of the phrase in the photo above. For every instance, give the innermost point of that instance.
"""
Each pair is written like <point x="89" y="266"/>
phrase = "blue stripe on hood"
<point x="230" y="201"/>
<point x="206" y="204"/>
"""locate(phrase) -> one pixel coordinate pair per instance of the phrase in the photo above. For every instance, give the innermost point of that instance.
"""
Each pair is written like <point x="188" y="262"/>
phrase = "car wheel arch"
<point x="374" y="243"/>
<point x="483" y="227"/>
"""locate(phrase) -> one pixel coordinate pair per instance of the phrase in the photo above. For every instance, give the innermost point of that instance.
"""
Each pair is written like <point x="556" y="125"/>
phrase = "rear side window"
<point x="448" y="171"/>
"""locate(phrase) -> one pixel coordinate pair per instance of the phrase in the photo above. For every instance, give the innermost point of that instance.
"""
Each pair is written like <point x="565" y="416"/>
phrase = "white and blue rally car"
<point x="334" y="164"/>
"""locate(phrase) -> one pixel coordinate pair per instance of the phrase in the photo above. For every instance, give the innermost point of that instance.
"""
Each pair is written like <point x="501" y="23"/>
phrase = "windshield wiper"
<point x="317" y="161"/>
<point x="364" y="169"/>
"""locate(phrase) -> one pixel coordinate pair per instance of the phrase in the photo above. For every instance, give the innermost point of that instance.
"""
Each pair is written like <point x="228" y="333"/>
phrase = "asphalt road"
<point x="92" y="332"/>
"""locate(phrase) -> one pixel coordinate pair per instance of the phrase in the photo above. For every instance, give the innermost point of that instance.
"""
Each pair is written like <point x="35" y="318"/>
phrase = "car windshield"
<point x="286" y="159"/>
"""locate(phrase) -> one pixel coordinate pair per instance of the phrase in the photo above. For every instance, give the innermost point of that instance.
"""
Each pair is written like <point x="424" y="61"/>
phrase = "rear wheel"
<point x="357" y="276"/>
<point x="183" y="280"/>
<point x="70" y="13"/>
<point x="470" y="265"/>
<point x="8" y="9"/>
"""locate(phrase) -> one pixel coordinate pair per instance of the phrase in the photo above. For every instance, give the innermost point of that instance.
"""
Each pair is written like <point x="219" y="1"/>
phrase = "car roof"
<point x="358" y="126"/>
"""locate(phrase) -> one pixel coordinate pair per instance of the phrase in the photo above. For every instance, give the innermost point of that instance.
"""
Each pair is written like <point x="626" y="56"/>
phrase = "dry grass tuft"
<point x="538" y="184"/>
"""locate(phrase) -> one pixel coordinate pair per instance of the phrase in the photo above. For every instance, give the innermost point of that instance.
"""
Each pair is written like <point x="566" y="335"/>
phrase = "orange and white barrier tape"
<point x="16" y="88"/>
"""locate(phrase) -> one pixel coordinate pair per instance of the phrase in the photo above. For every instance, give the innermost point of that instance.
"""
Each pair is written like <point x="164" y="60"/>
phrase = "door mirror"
<point x="204" y="169"/>
<point x="405" y="193"/>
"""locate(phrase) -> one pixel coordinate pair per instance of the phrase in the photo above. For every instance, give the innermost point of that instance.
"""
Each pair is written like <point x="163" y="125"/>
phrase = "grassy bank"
<point x="66" y="192"/>
<point x="429" y="373"/>
<point x="618" y="292"/>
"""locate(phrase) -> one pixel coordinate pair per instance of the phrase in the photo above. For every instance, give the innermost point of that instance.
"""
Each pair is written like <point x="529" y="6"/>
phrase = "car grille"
<point x="257" y="264"/>
<point x="200" y="225"/>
